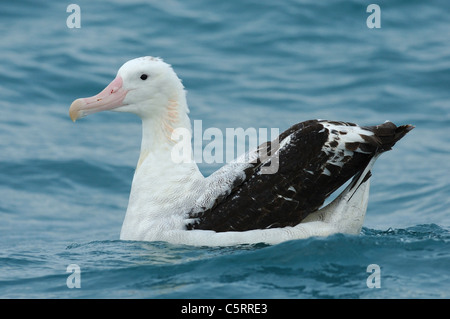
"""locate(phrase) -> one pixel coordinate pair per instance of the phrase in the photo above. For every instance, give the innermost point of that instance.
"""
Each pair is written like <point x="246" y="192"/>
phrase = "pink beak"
<point x="111" y="97"/>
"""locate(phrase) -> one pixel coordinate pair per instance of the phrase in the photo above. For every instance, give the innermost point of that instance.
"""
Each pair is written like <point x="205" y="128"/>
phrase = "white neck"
<point x="161" y="186"/>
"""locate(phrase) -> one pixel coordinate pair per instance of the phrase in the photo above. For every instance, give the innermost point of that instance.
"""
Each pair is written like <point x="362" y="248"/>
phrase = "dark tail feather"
<point x="387" y="134"/>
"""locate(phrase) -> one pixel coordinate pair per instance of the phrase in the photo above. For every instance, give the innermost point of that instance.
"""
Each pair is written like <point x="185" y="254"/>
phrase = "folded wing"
<point x="312" y="159"/>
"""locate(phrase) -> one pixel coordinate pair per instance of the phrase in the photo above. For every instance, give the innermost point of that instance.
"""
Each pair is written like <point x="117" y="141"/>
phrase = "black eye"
<point x="144" y="77"/>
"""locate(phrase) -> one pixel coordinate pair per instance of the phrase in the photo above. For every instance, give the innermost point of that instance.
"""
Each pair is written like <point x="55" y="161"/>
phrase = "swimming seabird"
<point x="172" y="201"/>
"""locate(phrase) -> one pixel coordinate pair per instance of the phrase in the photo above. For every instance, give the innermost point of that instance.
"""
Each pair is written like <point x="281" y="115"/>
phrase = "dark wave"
<point x="42" y="175"/>
<point x="331" y="267"/>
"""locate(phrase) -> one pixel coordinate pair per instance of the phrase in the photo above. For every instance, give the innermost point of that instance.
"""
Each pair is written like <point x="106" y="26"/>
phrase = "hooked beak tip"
<point x="75" y="109"/>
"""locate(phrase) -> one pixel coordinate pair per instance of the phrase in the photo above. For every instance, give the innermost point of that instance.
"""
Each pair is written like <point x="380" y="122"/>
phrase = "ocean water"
<point x="263" y="64"/>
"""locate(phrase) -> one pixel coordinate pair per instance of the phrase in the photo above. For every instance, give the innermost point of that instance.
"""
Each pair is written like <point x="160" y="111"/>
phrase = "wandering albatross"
<point x="172" y="201"/>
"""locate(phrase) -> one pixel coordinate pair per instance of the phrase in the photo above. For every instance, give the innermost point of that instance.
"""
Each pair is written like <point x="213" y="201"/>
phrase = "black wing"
<point x="314" y="159"/>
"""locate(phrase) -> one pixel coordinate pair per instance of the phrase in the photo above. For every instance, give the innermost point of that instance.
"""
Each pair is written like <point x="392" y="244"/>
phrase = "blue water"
<point x="64" y="187"/>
